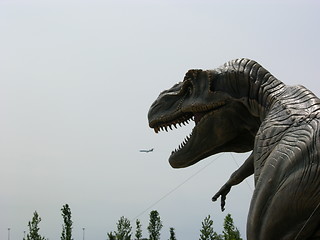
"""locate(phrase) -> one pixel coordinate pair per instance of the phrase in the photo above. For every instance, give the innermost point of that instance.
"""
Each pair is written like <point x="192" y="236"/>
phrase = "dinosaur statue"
<point x="241" y="107"/>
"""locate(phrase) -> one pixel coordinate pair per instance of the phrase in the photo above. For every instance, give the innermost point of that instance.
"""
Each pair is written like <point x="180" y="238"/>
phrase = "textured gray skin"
<point x="241" y="107"/>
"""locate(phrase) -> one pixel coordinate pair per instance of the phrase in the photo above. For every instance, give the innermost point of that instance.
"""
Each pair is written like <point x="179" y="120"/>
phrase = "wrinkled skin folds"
<point x="241" y="107"/>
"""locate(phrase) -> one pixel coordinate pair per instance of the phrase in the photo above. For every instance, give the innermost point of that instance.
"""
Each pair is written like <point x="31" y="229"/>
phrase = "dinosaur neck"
<point x="249" y="82"/>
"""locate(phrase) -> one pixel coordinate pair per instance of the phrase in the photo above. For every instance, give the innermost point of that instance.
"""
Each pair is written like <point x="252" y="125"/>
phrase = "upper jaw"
<point x="164" y="123"/>
<point x="181" y="116"/>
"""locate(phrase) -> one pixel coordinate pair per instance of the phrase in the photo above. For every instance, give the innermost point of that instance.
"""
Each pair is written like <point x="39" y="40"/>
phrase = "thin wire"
<point x="174" y="189"/>
<point x="239" y="167"/>
<point x="196" y="173"/>
<point x="305" y="224"/>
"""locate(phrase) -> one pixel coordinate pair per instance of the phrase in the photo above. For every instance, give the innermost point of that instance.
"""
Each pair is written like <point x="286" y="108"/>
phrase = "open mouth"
<point x="183" y="118"/>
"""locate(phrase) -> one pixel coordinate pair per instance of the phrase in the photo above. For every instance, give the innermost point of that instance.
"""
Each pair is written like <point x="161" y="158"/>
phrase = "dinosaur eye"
<point x="187" y="88"/>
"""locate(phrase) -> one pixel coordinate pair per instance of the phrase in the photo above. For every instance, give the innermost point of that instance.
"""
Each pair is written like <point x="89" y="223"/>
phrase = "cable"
<point x="239" y="167"/>
<point x="305" y="224"/>
<point x="174" y="189"/>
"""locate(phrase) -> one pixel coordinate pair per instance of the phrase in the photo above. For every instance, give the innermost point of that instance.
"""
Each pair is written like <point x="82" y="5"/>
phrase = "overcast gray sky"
<point x="76" y="81"/>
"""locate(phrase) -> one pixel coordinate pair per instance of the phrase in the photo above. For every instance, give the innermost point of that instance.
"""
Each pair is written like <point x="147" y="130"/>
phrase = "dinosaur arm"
<point x="244" y="171"/>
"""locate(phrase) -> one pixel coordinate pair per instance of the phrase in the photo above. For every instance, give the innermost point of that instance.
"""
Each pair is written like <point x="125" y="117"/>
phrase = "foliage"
<point x="207" y="232"/>
<point x="138" y="233"/>
<point x="172" y="234"/>
<point x="34" y="229"/>
<point x="155" y="225"/>
<point x="111" y="236"/>
<point x="67" y="226"/>
<point x="123" y="230"/>
<point x="230" y="232"/>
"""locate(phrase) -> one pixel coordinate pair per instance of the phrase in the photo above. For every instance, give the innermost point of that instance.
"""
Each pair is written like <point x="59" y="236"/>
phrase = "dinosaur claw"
<point x="223" y="194"/>
<point x="214" y="198"/>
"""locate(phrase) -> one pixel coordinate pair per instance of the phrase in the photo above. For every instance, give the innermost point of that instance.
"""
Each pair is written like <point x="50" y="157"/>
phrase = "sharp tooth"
<point x="170" y="126"/>
<point x="162" y="128"/>
<point x="166" y="128"/>
<point x="175" y="125"/>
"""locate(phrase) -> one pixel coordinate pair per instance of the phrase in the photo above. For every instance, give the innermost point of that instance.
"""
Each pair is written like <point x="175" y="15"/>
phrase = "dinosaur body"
<point x="241" y="107"/>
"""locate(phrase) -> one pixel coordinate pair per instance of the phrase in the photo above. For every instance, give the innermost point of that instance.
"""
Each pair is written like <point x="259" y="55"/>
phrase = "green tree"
<point x="207" y="232"/>
<point x="172" y="234"/>
<point x="138" y="233"/>
<point x="111" y="236"/>
<point x="67" y="226"/>
<point x="123" y="230"/>
<point x="230" y="232"/>
<point x="34" y="228"/>
<point x="155" y="225"/>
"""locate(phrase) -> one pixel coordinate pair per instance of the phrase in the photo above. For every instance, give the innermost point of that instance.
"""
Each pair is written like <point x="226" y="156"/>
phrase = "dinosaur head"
<point x="218" y="126"/>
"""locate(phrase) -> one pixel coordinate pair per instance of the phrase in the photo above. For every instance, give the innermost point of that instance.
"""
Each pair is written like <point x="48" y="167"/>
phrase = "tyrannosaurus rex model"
<point x="240" y="107"/>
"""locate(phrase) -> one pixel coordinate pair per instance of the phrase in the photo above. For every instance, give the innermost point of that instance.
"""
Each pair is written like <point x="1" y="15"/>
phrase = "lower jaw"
<point x="178" y="164"/>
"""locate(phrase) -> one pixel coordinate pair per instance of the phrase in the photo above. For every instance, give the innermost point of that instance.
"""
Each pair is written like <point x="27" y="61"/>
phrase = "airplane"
<point x="146" y="150"/>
